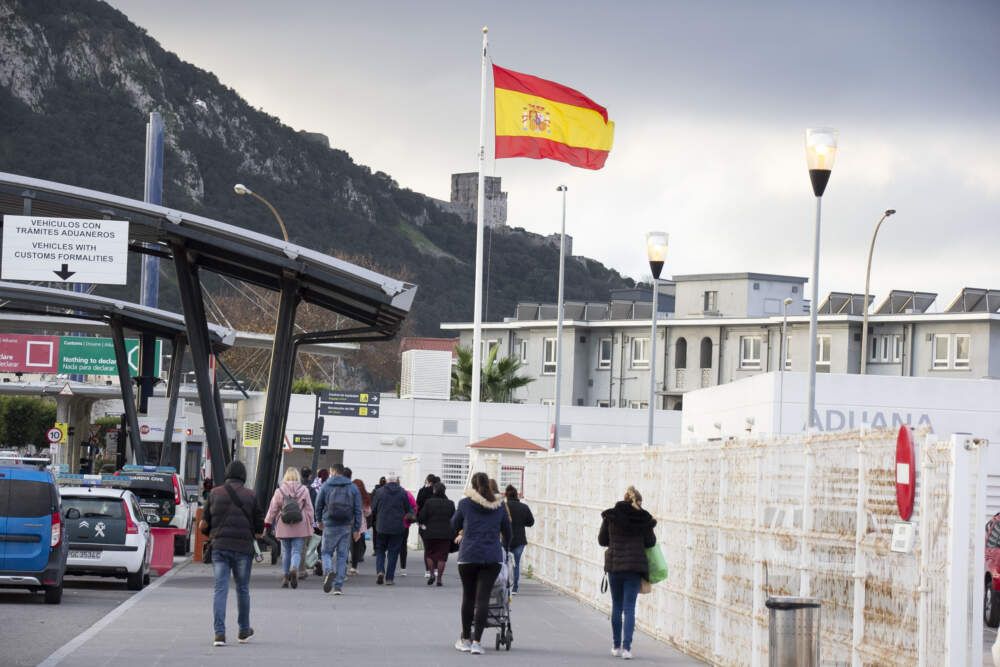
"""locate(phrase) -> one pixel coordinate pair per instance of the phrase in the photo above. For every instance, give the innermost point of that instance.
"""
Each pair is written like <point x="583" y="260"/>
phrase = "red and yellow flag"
<point x="541" y="119"/>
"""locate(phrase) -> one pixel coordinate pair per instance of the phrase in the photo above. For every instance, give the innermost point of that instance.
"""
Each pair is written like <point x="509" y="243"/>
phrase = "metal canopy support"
<point x="147" y="364"/>
<point x="279" y="387"/>
<point x="189" y="287"/>
<point x="220" y="412"/>
<point x="173" y="390"/>
<point x="128" y="398"/>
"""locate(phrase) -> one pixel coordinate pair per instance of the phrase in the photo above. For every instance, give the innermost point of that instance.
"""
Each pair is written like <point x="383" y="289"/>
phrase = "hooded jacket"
<point x="229" y="527"/>
<point x="331" y="489"/>
<point x="483" y="524"/>
<point x="435" y="515"/>
<point x="390" y="505"/>
<point x="520" y="518"/>
<point x="284" y="530"/>
<point x="626" y="532"/>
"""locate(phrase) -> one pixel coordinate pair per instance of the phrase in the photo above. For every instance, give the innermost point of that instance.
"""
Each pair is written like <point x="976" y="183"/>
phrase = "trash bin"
<point x="793" y="632"/>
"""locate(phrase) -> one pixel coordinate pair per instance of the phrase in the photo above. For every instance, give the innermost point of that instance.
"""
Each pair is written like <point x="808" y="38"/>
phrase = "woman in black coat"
<point x="520" y="518"/>
<point x="435" y="516"/>
<point x="626" y="531"/>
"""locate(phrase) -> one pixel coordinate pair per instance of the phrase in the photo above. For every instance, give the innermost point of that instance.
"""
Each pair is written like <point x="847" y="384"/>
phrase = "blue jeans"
<point x="291" y="553"/>
<point x="336" y="538"/>
<point x="225" y="561"/>
<point x="517" y="551"/>
<point x="624" y="590"/>
<point x="388" y="545"/>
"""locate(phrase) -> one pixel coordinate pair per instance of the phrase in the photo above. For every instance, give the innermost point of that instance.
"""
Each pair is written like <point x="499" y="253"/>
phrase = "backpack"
<point x="291" y="511"/>
<point x="340" y="509"/>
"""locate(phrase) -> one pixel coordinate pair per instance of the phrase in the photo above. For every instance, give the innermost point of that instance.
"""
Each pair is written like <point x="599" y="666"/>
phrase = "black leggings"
<point x="357" y="551"/>
<point x="477" y="582"/>
<point x="402" y="551"/>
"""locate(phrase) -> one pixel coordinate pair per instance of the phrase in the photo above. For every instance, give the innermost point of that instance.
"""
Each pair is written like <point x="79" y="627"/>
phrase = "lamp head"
<point x="656" y="251"/>
<point x="890" y="211"/>
<point x="241" y="189"/>
<point x="788" y="300"/>
<point x="821" y="151"/>
<point x="561" y="188"/>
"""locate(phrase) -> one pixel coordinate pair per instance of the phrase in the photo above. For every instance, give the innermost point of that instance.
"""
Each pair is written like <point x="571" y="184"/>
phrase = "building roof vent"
<point x="905" y="302"/>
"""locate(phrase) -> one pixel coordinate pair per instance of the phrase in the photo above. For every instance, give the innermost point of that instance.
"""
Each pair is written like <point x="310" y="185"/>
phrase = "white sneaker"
<point x="402" y="572"/>
<point x="476" y="649"/>
<point x="427" y="575"/>
<point x="626" y="654"/>
<point x="616" y="653"/>
<point x="463" y="645"/>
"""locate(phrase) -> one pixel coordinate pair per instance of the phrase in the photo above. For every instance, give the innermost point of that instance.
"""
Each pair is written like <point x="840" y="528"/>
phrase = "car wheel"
<point x="134" y="581"/>
<point x="53" y="594"/>
<point x="991" y="605"/>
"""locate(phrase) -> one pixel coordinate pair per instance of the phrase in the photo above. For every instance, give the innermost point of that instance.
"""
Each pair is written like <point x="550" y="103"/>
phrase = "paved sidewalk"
<point x="410" y="623"/>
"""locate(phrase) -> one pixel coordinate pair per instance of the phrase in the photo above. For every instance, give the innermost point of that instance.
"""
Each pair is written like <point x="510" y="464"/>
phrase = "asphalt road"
<point x="31" y="629"/>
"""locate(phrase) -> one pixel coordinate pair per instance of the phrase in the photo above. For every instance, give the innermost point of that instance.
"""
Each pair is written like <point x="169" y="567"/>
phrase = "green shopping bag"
<point x="657" y="564"/>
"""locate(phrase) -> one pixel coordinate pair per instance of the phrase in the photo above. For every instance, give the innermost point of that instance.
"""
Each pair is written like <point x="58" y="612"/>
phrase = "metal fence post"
<point x="689" y="551"/>
<point x="807" y="492"/>
<point x="927" y="466"/>
<point x="720" y="551"/>
<point x="957" y="609"/>
<point x="860" y="530"/>
<point x="758" y="558"/>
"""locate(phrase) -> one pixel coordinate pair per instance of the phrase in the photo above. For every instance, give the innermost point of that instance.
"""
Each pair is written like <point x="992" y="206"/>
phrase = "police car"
<point x="160" y="491"/>
<point x="107" y="533"/>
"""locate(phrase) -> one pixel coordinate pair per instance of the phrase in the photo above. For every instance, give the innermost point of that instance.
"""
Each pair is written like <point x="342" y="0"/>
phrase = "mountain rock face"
<point x="77" y="82"/>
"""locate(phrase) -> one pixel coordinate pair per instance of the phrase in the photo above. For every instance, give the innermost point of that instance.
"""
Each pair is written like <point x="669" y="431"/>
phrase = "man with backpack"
<point x="338" y="510"/>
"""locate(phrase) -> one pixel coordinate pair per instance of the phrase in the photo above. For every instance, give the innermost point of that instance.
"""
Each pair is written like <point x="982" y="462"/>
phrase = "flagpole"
<point x="559" y="322"/>
<point x="477" y="318"/>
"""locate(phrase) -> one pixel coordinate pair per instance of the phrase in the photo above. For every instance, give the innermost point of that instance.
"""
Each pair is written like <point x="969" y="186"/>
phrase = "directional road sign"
<point x="64" y="250"/>
<point x="349" y="404"/>
<point x="306" y="440"/>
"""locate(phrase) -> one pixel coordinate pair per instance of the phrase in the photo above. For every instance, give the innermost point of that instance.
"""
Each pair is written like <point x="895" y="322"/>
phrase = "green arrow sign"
<point x="84" y="355"/>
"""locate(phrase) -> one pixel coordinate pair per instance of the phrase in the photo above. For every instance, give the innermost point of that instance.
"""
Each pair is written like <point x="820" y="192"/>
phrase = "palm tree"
<point x="499" y="377"/>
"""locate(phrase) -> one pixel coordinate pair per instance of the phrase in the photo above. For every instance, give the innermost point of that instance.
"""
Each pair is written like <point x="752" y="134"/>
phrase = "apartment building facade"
<point x="724" y="327"/>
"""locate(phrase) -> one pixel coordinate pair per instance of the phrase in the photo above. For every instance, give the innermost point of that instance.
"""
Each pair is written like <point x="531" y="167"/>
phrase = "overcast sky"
<point x="710" y="102"/>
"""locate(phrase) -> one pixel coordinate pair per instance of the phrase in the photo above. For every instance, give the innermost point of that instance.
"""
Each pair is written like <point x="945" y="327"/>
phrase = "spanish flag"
<point x="540" y="119"/>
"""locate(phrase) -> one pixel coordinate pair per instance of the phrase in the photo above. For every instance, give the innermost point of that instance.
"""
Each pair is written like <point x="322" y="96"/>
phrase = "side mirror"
<point x="72" y="513"/>
<point x="193" y="498"/>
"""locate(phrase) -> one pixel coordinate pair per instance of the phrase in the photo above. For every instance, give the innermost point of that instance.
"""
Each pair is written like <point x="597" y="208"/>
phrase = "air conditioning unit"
<point x="426" y="374"/>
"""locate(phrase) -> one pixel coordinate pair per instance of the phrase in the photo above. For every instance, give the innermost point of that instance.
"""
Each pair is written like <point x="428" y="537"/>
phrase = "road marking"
<point x="109" y="618"/>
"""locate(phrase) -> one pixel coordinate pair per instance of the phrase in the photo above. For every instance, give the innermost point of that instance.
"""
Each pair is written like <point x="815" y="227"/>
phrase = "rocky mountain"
<point x="77" y="82"/>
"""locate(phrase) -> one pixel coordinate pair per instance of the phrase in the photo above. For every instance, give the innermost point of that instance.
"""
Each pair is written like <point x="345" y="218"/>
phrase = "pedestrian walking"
<point x="358" y="545"/>
<point x="486" y="533"/>
<point x="425" y="492"/>
<point x="408" y="520"/>
<point x="310" y="546"/>
<point x="374" y="519"/>
<point x="232" y="520"/>
<point x="291" y="514"/>
<point x="435" y="515"/>
<point x="626" y="531"/>
<point x="389" y="507"/>
<point x="520" y="518"/>
<point x="338" y="507"/>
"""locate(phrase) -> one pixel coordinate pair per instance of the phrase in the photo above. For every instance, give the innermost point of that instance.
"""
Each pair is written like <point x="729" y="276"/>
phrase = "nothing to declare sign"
<point x="80" y="355"/>
<point x="64" y="249"/>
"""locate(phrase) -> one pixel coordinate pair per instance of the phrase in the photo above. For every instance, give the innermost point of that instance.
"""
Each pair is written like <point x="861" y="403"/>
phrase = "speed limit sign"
<point x="54" y="435"/>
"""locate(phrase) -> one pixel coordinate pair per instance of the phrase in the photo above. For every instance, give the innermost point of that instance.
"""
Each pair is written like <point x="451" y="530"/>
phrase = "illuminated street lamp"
<point x="241" y="189"/>
<point x="821" y="151"/>
<point x="656" y="252"/>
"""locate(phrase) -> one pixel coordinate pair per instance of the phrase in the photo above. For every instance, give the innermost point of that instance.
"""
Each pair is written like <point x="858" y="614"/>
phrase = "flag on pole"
<point x="541" y="119"/>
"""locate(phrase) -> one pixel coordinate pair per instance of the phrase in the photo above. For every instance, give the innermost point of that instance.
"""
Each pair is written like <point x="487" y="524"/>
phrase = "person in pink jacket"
<point x="292" y="509"/>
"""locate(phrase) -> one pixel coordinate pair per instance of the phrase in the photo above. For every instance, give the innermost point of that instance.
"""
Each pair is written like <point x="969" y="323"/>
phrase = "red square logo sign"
<point x="40" y="354"/>
<point x="29" y="354"/>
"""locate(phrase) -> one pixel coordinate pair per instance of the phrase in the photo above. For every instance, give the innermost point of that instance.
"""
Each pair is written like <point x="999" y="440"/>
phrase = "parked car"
<point x="991" y="600"/>
<point x="160" y="491"/>
<point x="33" y="550"/>
<point x="107" y="534"/>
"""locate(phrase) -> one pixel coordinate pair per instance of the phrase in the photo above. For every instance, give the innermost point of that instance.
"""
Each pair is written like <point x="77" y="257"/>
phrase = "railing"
<point x="680" y="378"/>
<point x="742" y="520"/>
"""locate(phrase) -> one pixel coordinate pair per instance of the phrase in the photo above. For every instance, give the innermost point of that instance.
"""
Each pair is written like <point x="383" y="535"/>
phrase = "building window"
<point x="963" y="343"/>
<point x="604" y="404"/>
<point x="549" y="356"/>
<point x="639" y="405"/>
<point x="486" y="346"/>
<point x="522" y="350"/>
<point x="897" y="348"/>
<point x="604" y="348"/>
<point x="823" y="354"/>
<point x="548" y="401"/>
<point x="873" y="353"/>
<point x="711" y="302"/>
<point x="750" y="352"/>
<point x="681" y="353"/>
<point x="788" y="353"/>
<point x="454" y="469"/>
<point x="706" y="352"/>
<point x="941" y="345"/>
<point x="640" y="353"/>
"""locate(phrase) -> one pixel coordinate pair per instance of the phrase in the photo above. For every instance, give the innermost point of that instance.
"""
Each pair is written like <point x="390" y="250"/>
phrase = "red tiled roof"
<point x="439" y="344"/>
<point x="508" y="441"/>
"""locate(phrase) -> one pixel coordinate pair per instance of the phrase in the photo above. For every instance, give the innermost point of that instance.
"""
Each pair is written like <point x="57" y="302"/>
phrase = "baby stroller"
<point x="499" y="612"/>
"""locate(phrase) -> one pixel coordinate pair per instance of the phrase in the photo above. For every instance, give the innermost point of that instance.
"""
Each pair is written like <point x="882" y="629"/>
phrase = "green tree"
<point x="309" y="385"/>
<point x="499" y="377"/>
<point x="24" y="420"/>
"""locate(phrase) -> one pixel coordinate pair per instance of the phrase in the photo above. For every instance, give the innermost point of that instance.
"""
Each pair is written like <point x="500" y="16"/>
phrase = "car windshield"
<point x="147" y="485"/>
<point x="89" y="507"/>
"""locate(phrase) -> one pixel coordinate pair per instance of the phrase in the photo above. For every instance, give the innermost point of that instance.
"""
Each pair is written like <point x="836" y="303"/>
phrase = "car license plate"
<point x="85" y="554"/>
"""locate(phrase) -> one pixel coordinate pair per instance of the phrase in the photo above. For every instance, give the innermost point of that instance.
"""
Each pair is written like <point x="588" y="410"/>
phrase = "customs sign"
<point x="64" y="250"/>
<point x="82" y="355"/>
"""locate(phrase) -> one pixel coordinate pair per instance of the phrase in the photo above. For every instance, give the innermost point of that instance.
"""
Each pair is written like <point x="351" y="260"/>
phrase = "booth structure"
<point x="193" y="243"/>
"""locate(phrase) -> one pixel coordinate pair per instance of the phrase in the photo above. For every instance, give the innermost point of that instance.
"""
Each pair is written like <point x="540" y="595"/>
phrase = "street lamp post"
<point x="783" y="354"/>
<point x="821" y="150"/>
<point x="868" y="275"/>
<point x="656" y="252"/>
<point x="241" y="189"/>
